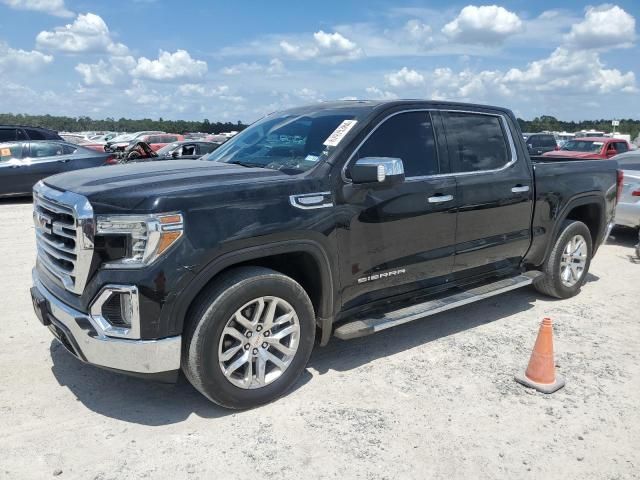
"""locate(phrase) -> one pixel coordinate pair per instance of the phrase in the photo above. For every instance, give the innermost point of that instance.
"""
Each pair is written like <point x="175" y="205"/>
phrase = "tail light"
<point x="619" y="185"/>
<point x="111" y="160"/>
<point x="635" y="193"/>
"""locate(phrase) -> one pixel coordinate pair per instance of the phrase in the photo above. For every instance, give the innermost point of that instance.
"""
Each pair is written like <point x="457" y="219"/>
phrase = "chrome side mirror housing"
<point x="383" y="170"/>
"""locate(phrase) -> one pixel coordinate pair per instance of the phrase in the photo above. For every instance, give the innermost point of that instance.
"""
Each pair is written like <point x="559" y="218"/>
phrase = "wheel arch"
<point x="589" y="209"/>
<point x="303" y="260"/>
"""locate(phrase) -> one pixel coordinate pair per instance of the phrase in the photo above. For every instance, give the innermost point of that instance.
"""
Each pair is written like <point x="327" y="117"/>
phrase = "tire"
<point x="207" y="339"/>
<point x="552" y="283"/>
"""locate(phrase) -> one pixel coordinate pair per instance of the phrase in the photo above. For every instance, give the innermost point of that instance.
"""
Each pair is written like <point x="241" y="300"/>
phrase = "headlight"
<point x="149" y="236"/>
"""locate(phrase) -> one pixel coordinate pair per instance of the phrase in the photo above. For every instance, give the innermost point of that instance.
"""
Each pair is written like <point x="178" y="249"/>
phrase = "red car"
<point x="158" y="140"/>
<point x="591" y="148"/>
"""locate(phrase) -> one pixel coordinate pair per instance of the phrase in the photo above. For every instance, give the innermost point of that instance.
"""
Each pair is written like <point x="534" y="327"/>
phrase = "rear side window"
<point x="8" y="135"/>
<point x="476" y="142"/>
<point x="408" y="136"/>
<point x="169" y="139"/>
<point x="68" y="149"/>
<point x="10" y="151"/>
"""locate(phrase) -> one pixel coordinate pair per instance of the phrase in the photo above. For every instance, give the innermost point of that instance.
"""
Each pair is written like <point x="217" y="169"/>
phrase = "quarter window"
<point x="408" y="136"/>
<point x="476" y="142"/>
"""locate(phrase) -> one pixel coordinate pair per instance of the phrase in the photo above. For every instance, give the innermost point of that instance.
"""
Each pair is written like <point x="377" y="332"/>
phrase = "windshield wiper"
<point x="245" y="164"/>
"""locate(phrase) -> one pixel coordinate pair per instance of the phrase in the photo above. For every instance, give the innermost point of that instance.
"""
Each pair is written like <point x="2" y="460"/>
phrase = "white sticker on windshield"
<point x="311" y="158"/>
<point x="599" y="144"/>
<point x="339" y="133"/>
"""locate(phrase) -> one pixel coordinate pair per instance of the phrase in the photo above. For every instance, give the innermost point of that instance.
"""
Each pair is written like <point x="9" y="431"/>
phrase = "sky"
<point x="239" y="60"/>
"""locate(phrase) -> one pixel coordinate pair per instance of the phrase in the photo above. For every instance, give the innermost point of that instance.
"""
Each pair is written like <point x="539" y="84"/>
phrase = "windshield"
<point x="292" y="142"/>
<point x="587" y="146"/>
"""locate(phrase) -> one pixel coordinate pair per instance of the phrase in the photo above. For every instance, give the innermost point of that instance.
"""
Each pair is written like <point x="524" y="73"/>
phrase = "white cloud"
<point x="106" y="73"/>
<point x="377" y="94"/>
<point x="274" y="67"/>
<point x="196" y="90"/>
<point x="581" y="71"/>
<point x="487" y="24"/>
<point x="170" y="66"/>
<point x="16" y="61"/>
<point x="331" y="47"/>
<point x="419" y="32"/>
<point x="404" y="78"/>
<point x="605" y="26"/>
<point x="88" y="33"/>
<point x="52" y="7"/>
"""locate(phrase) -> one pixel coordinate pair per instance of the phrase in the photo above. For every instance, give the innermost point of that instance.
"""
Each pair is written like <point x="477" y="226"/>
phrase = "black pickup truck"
<point x="338" y="219"/>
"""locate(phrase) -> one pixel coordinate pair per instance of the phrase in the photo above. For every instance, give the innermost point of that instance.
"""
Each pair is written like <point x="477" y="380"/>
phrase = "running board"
<point x="362" y="327"/>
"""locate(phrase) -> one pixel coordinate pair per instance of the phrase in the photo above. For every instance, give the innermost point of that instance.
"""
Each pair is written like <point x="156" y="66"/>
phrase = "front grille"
<point x="64" y="235"/>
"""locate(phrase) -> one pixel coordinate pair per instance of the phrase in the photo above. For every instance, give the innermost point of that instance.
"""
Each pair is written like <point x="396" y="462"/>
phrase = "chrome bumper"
<point x="85" y="339"/>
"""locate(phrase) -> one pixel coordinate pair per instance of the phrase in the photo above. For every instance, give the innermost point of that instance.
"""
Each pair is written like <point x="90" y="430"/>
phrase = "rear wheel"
<point x="567" y="266"/>
<point x="248" y="337"/>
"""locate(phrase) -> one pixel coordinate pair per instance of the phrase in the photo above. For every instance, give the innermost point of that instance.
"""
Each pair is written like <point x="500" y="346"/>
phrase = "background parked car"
<point x="120" y="142"/>
<point x="628" y="208"/>
<point x="13" y="133"/>
<point x="539" y="143"/>
<point x="186" y="150"/>
<point x="591" y="148"/>
<point x="23" y="164"/>
<point x="159" y="140"/>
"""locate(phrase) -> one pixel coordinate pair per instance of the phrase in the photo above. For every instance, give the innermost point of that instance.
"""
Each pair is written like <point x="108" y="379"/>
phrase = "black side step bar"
<point x="362" y="327"/>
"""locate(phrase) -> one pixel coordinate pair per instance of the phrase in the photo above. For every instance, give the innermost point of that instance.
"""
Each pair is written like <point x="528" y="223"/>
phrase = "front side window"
<point x="45" y="149"/>
<point x="36" y="134"/>
<point x="621" y="147"/>
<point x="476" y="142"/>
<point x="408" y="136"/>
<point x="290" y="141"/>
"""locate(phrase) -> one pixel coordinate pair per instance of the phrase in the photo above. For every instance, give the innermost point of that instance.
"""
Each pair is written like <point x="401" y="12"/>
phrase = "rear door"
<point x="494" y="193"/>
<point x="398" y="238"/>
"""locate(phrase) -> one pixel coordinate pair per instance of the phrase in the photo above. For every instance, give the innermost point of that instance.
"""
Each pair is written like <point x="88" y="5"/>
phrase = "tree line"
<point x="549" y="123"/>
<point x="80" y="124"/>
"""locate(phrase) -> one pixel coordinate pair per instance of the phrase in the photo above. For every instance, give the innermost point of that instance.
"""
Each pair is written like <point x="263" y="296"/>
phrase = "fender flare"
<point x="574" y="202"/>
<point x="208" y="273"/>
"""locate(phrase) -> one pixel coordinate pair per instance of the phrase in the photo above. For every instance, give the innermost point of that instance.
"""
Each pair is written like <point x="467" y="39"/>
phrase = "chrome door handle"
<point x="440" y="198"/>
<point x="520" y="189"/>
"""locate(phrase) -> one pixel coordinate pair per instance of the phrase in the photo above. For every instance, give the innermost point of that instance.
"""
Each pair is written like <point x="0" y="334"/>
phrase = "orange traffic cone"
<point x="541" y="372"/>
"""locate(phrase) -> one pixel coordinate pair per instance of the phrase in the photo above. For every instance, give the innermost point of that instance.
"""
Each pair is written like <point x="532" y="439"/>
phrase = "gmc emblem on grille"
<point x="43" y="222"/>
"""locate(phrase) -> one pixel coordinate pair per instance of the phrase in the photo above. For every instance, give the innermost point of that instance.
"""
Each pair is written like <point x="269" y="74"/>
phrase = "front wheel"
<point x="248" y="337"/>
<point x="567" y="266"/>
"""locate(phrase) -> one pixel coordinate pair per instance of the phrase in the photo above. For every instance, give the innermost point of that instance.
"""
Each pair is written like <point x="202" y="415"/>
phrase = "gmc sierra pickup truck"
<point x="338" y="219"/>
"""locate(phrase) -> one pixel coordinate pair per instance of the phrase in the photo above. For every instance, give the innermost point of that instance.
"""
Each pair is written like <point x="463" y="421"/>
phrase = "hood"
<point x="132" y="185"/>
<point x="572" y="154"/>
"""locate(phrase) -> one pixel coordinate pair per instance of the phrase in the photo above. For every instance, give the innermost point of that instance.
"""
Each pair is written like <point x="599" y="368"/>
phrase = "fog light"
<point x="115" y="312"/>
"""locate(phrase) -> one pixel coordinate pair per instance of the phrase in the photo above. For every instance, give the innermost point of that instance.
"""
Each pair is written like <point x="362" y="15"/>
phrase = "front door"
<point x="494" y="191"/>
<point x="397" y="238"/>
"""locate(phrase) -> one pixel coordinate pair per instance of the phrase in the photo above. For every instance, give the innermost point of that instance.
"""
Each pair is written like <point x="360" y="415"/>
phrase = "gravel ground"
<point x="432" y="399"/>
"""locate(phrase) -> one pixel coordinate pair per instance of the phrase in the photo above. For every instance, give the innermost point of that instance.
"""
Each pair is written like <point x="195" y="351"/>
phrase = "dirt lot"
<point x="433" y="399"/>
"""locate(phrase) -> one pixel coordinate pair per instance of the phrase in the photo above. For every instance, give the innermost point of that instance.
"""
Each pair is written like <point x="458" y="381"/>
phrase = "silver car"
<point x="628" y="209"/>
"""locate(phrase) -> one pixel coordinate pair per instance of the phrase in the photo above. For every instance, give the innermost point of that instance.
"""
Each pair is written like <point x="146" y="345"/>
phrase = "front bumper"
<point x="84" y="337"/>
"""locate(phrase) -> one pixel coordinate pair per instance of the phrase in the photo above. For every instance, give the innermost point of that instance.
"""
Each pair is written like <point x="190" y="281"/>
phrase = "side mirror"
<point x="382" y="170"/>
<point x="611" y="152"/>
<point x="175" y="153"/>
